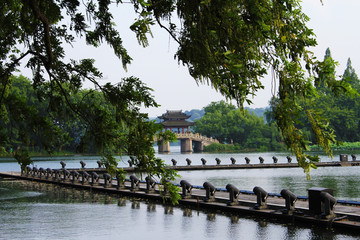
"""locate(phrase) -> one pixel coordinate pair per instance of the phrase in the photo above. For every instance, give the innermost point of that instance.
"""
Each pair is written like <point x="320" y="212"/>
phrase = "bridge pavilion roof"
<point x="174" y="115"/>
<point x="175" y="119"/>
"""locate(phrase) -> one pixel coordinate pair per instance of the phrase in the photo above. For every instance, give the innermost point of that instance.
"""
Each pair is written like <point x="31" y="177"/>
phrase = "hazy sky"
<point x="335" y="24"/>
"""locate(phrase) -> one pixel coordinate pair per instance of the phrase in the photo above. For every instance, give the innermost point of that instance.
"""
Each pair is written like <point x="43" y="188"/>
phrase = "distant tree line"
<point x="197" y="114"/>
<point x="238" y="128"/>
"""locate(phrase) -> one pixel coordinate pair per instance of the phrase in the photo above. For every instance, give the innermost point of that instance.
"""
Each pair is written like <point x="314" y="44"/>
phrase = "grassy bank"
<point x="221" y="148"/>
<point x="218" y="147"/>
<point x="39" y="154"/>
<point x="345" y="146"/>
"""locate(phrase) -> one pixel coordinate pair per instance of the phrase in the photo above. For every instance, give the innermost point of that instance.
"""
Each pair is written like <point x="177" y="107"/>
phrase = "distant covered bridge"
<point x="175" y="121"/>
<point x="190" y="142"/>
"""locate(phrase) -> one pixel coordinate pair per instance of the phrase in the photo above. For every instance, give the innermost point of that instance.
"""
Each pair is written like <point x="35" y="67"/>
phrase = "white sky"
<point x="335" y="24"/>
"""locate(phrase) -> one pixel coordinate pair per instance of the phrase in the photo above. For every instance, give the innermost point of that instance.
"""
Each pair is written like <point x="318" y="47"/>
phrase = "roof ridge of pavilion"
<point x="174" y="114"/>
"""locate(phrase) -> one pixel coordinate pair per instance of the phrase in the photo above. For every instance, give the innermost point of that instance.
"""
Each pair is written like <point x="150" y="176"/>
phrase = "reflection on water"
<point x="8" y="194"/>
<point x="64" y="213"/>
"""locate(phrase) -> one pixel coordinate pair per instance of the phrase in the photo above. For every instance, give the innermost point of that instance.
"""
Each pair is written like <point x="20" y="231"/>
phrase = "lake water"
<point x="43" y="211"/>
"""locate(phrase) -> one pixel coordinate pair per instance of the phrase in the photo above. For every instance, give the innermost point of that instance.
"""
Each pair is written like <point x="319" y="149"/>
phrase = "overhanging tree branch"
<point x="6" y="73"/>
<point x="168" y="30"/>
<point x="46" y="25"/>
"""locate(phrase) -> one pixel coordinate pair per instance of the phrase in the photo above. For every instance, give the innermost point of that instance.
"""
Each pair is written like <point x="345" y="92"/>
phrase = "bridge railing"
<point x="196" y="136"/>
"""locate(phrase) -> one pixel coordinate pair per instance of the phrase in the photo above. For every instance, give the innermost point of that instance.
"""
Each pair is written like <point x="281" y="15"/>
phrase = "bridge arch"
<point x="190" y="142"/>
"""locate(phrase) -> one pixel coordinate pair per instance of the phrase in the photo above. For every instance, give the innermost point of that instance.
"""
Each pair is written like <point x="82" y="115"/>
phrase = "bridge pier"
<point x="186" y="145"/>
<point x="198" y="146"/>
<point x="163" y="147"/>
<point x="187" y="140"/>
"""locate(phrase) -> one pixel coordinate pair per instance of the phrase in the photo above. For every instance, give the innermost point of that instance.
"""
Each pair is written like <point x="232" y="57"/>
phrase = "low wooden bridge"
<point x="232" y="163"/>
<point x="190" y="167"/>
<point x="218" y="164"/>
<point x="318" y="208"/>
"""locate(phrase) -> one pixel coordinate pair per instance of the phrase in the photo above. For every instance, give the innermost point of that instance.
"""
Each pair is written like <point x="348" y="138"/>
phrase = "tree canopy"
<point x="340" y="112"/>
<point x="229" y="44"/>
<point x="231" y="125"/>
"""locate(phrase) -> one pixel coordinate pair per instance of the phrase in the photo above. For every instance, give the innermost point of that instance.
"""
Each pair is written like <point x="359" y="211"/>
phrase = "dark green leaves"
<point x="231" y="125"/>
<point x="22" y="157"/>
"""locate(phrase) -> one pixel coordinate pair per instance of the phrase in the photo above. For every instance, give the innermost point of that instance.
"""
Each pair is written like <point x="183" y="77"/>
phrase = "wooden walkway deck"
<point x="260" y="165"/>
<point x="232" y="166"/>
<point x="347" y="215"/>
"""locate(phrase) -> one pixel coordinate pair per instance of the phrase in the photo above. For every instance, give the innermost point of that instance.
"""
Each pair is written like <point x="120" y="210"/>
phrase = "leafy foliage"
<point x="331" y="109"/>
<point x="341" y="111"/>
<point x="23" y="158"/>
<point x="26" y="121"/>
<point x="231" y="125"/>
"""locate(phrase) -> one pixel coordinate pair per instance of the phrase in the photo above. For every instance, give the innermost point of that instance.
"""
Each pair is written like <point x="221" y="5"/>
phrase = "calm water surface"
<point x="43" y="211"/>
